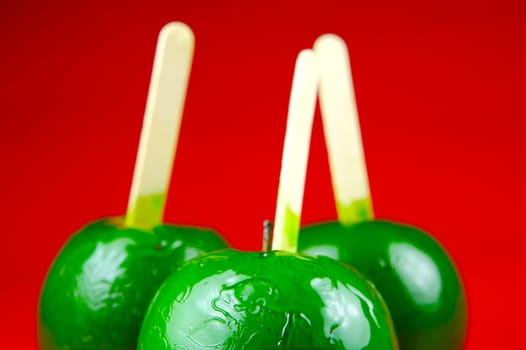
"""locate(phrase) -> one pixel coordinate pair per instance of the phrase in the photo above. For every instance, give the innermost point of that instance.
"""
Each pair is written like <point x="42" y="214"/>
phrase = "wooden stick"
<point x="342" y="132"/>
<point x="296" y="152"/>
<point x="160" y="131"/>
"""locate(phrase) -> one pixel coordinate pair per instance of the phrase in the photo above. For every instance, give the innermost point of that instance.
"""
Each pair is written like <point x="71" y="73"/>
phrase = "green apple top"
<point x="277" y="300"/>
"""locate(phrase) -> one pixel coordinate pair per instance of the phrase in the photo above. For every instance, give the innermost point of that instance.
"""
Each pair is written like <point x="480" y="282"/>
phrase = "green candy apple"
<point x="413" y="273"/>
<point x="99" y="287"/>
<point x="274" y="300"/>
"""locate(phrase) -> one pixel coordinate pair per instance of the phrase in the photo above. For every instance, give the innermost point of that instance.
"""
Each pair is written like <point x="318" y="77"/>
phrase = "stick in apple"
<point x="296" y="152"/>
<point x="342" y="132"/>
<point x="160" y="131"/>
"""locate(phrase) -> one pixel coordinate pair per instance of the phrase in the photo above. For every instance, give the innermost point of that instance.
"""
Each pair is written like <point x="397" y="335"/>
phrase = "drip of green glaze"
<point x="291" y="231"/>
<point x="357" y="211"/>
<point x="147" y="211"/>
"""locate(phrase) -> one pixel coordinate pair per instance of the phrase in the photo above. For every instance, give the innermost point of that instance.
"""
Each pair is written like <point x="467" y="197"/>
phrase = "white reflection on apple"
<point x="418" y="273"/>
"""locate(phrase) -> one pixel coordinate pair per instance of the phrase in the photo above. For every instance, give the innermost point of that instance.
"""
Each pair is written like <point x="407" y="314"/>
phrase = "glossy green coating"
<point x="99" y="287"/>
<point x="414" y="274"/>
<point x="276" y="300"/>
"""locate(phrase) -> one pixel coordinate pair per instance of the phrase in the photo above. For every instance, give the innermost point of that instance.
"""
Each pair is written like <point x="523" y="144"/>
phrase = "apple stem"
<point x="296" y="152"/>
<point x="342" y="132"/>
<point x="267" y="235"/>
<point x="161" y="125"/>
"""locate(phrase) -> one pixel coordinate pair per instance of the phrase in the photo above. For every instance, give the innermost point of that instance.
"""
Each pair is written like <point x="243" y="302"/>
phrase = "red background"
<point x="440" y="88"/>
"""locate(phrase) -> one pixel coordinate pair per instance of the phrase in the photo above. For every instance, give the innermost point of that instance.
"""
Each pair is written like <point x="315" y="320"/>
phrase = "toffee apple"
<point x="413" y="272"/>
<point x="272" y="300"/>
<point x="100" y="284"/>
